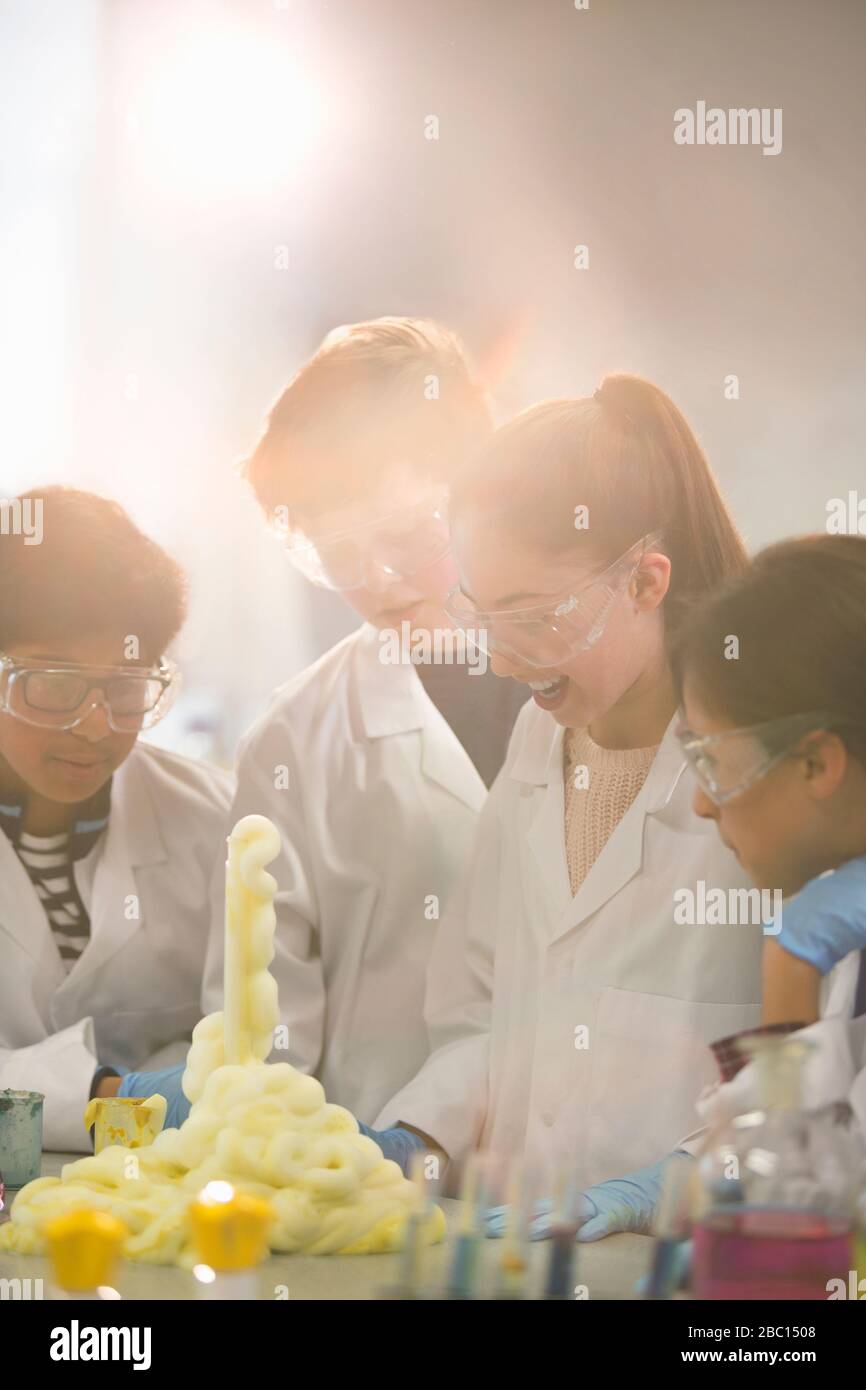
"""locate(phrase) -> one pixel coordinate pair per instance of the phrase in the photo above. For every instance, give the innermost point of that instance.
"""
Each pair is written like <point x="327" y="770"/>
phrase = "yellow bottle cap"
<point x="84" y="1246"/>
<point x="229" y="1228"/>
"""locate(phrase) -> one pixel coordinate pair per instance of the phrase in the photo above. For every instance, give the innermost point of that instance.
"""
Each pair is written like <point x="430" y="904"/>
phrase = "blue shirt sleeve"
<point x="826" y="920"/>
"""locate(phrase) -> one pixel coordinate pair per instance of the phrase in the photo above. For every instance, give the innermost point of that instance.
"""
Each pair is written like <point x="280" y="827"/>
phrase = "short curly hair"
<point x="93" y="571"/>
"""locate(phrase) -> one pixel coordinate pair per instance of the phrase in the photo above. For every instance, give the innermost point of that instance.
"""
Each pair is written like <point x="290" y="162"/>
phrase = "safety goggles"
<point x="552" y="633"/>
<point x="398" y="545"/>
<point x="63" y="695"/>
<point x="729" y="763"/>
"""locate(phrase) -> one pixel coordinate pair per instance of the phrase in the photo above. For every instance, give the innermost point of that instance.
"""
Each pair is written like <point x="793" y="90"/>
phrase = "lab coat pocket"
<point x="650" y="1062"/>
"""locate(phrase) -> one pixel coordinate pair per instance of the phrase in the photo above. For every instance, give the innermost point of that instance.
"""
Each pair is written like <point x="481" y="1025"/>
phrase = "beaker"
<point x="130" y="1121"/>
<point x="20" y="1136"/>
<point x="776" y="1189"/>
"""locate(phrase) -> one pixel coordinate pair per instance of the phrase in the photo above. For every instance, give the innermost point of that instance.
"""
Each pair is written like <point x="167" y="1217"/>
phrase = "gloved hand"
<point x="398" y="1144"/>
<point x="826" y="920"/>
<point x="495" y="1220"/>
<point x="161" y="1083"/>
<point x="621" y="1204"/>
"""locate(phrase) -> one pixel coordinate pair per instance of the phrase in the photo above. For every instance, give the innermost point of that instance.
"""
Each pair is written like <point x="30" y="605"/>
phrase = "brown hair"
<point x="92" y="571"/>
<point x="799" y="614"/>
<point x="627" y="454"/>
<point x="386" y="391"/>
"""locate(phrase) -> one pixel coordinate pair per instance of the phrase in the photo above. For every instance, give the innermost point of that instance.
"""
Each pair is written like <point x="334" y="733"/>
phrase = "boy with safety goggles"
<point x="373" y="762"/>
<point x="107" y="844"/>
<point x="388" y="761"/>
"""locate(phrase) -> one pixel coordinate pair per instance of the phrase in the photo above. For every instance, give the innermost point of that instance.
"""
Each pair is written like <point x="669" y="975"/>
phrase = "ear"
<point x="824" y="761"/>
<point x="652" y="581"/>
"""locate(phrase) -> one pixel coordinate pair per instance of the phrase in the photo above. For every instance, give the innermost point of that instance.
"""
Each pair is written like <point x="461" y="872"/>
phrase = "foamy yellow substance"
<point x="265" y="1128"/>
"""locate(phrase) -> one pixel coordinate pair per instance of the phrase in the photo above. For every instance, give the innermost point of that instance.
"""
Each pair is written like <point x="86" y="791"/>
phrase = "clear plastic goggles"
<point x="399" y="545"/>
<point x="550" y="634"/>
<point x="63" y="695"/>
<point x="729" y="763"/>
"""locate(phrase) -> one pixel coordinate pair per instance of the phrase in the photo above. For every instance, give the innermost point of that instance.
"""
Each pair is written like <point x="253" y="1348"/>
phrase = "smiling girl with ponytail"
<point x="570" y="998"/>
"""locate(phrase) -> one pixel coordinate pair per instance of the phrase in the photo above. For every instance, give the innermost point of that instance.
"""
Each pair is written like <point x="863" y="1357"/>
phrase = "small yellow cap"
<point x="84" y="1246"/>
<point x="229" y="1228"/>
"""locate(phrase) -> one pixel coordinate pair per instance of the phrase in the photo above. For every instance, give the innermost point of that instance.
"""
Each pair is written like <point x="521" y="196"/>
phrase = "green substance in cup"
<point x="20" y="1136"/>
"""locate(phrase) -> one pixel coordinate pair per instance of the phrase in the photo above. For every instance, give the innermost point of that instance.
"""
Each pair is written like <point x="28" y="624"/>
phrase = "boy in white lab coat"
<point x="373" y="763"/>
<point x="107" y="845"/>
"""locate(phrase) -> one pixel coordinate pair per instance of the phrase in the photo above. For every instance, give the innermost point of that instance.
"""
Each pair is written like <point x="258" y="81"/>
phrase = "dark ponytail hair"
<point x="629" y="455"/>
<point x="799" y="615"/>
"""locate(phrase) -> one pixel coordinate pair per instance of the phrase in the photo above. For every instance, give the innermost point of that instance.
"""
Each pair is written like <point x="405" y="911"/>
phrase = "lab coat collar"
<point x="622" y="856"/>
<point x="540" y="763"/>
<point x="134" y="840"/>
<point x="390" y="697"/>
<point x="539" y="760"/>
<point x="445" y="760"/>
<point x="134" y="812"/>
<point x="394" y="701"/>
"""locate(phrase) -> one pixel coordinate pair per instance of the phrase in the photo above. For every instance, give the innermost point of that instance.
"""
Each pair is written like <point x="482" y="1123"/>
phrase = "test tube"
<point x="671" y="1227"/>
<point x="564" y="1222"/>
<point x="512" y="1262"/>
<point x="467" y="1242"/>
<point x="412" y="1254"/>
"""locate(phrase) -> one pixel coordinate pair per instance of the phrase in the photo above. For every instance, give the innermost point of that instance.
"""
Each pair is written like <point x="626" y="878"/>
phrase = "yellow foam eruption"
<point x="265" y="1128"/>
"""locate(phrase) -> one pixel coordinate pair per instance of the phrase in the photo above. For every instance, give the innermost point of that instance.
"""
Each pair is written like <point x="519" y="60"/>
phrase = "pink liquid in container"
<point x="772" y="1253"/>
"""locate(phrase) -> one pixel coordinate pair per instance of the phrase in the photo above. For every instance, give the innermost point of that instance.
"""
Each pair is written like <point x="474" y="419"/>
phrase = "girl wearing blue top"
<point x="772" y="668"/>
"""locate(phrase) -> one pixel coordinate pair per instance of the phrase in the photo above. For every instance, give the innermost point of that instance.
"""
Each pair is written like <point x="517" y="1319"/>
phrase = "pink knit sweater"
<point x="600" y="785"/>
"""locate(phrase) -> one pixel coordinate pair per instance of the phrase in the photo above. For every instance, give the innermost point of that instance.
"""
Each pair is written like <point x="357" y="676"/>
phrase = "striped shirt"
<point x="48" y="864"/>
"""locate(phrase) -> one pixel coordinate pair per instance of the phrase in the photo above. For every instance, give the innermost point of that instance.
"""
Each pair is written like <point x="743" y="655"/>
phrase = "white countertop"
<point x="608" y="1268"/>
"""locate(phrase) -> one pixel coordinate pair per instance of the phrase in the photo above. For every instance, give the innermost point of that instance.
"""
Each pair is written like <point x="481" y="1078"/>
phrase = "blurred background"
<point x="195" y="191"/>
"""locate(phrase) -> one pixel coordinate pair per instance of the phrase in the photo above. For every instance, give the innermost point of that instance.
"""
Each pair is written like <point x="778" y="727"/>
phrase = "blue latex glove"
<point x="159" y="1083"/>
<point x="826" y="920"/>
<point x="621" y="1204"/>
<point x="398" y="1144"/>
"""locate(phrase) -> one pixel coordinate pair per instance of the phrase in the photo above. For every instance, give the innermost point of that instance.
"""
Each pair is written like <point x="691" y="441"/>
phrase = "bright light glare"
<point x="217" y="1192"/>
<point x="222" y="112"/>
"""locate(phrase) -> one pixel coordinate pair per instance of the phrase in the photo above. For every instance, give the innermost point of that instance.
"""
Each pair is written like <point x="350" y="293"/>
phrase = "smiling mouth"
<point x="547" y="688"/>
<point x="549" y="694"/>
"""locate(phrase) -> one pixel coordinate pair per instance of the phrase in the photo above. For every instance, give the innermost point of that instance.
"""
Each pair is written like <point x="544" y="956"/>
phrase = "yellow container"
<point x="130" y="1121"/>
<point x="229" y="1228"/>
<point x="84" y="1246"/>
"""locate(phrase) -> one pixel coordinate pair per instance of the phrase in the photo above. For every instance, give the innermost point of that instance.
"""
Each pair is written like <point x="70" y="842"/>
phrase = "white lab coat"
<point x="376" y="822"/>
<point x="134" y="995"/>
<point x="520" y="964"/>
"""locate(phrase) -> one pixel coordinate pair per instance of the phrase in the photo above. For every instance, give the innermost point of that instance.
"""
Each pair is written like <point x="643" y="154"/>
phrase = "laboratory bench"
<point x="609" y="1269"/>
